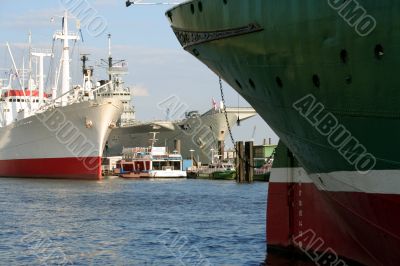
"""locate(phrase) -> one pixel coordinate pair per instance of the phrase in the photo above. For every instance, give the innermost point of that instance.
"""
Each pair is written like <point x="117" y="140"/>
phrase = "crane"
<point x="254" y="133"/>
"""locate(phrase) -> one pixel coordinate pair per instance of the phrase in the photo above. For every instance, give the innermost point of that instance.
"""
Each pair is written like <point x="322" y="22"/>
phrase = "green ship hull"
<point x="323" y="75"/>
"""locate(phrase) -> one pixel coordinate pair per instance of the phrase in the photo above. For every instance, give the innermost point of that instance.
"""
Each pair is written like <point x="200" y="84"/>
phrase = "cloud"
<point x="105" y="2"/>
<point x="34" y="18"/>
<point x="139" y="91"/>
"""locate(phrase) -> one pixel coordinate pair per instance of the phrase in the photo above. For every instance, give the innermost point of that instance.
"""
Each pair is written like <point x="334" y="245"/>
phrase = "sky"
<point x="141" y="34"/>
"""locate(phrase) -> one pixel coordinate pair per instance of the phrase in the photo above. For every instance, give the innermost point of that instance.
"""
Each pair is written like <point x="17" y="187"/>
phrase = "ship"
<point x="323" y="75"/>
<point x="198" y="133"/>
<point x="60" y="134"/>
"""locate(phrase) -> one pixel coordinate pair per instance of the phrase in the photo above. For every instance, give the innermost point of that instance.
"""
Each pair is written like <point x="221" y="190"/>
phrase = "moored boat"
<point x="151" y="162"/>
<point x="217" y="171"/>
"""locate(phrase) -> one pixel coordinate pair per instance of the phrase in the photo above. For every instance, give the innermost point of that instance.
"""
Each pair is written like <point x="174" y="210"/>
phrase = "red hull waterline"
<point x="326" y="225"/>
<point x="85" y="168"/>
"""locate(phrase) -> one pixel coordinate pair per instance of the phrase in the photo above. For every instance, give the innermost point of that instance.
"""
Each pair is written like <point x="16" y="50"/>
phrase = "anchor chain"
<point x="229" y="126"/>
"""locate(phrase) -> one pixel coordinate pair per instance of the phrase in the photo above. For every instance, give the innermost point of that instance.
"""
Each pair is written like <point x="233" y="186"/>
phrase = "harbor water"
<point x="132" y="222"/>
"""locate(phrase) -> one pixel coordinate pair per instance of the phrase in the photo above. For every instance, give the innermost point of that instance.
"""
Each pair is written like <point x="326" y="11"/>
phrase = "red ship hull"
<point x="67" y="168"/>
<point x="321" y="222"/>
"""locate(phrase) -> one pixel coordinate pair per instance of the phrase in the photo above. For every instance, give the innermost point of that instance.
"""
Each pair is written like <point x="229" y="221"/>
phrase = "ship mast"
<point x="153" y="140"/>
<point x="65" y="36"/>
<point x="30" y="81"/>
<point x="110" y="59"/>
<point x="41" y="55"/>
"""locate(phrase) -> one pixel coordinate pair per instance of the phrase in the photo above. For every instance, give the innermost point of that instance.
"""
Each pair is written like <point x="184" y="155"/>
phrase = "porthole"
<point x="344" y="56"/>
<point x="192" y="8"/>
<point x="252" y="84"/>
<point x="316" y="81"/>
<point x="239" y="84"/>
<point x="200" y="5"/>
<point x="279" y="82"/>
<point x="379" y="52"/>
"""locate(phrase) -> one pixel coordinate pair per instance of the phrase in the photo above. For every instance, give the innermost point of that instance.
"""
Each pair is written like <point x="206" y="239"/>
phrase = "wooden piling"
<point x="249" y="161"/>
<point x="240" y="162"/>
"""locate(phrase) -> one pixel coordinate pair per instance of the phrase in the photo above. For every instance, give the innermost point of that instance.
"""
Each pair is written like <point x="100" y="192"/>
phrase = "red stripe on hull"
<point x="358" y="226"/>
<point x="68" y="168"/>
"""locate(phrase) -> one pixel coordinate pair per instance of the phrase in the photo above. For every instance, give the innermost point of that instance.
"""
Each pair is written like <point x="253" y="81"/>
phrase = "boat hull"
<point x="168" y="174"/>
<point x="64" y="168"/>
<point x="321" y="223"/>
<point x="65" y="142"/>
<point x="224" y="175"/>
<point x="274" y="61"/>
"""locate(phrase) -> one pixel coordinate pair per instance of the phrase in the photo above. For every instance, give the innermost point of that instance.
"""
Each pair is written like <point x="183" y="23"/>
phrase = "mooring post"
<point x="240" y="161"/>
<point x="249" y="161"/>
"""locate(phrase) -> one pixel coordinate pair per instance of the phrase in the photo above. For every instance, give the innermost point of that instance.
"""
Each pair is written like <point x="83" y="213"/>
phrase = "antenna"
<point x="84" y="59"/>
<point x="30" y="82"/>
<point x="110" y="60"/>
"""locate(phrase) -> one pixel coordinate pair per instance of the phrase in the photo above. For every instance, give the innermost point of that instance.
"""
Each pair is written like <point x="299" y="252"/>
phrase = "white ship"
<point x="198" y="134"/>
<point x="60" y="134"/>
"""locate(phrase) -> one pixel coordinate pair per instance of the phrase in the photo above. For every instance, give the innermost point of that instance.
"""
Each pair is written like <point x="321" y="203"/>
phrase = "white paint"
<point x="30" y="139"/>
<point x="375" y="182"/>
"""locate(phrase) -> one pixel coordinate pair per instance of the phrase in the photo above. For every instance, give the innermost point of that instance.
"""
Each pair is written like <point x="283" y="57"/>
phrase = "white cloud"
<point x="34" y="18"/>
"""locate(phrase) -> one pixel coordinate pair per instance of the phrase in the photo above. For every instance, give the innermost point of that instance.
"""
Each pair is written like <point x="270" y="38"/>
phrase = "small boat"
<point x="264" y="172"/>
<point x="152" y="162"/>
<point x="218" y="171"/>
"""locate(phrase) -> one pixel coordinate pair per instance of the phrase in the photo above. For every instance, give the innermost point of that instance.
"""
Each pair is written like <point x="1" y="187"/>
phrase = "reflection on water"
<point x="127" y="222"/>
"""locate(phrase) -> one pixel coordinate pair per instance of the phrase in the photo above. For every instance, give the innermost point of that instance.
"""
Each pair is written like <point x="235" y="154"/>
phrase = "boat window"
<point x="177" y="165"/>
